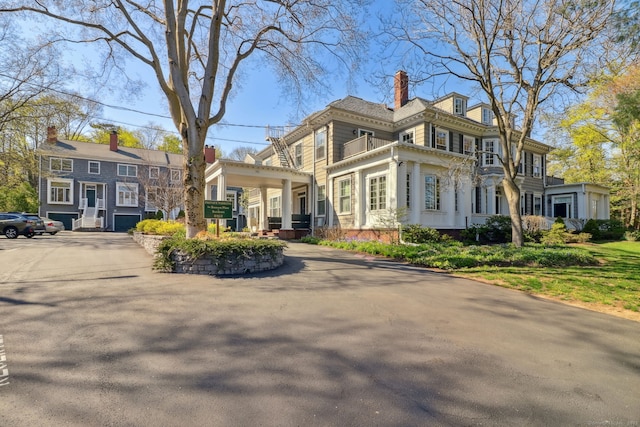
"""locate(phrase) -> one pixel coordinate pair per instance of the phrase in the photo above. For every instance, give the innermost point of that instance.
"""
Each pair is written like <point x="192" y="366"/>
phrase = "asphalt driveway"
<point x="91" y="336"/>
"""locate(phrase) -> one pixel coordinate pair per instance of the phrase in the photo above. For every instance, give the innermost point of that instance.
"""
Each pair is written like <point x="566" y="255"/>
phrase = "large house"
<point x="359" y="165"/>
<point x="104" y="187"/>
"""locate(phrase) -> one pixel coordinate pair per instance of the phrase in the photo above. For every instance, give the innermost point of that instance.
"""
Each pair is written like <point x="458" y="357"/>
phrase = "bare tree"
<point x="196" y="50"/>
<point x="26" y="72"/>
<point x="520" y="53"/>
<point x="239" y="153"/>
<point x="161" y="191"/>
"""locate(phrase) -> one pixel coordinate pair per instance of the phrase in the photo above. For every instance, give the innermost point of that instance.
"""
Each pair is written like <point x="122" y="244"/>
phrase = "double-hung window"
<point x="60" y="165"/>
<point x="442" y="139"/>
<point x="459" y="106"/>
<point x="468" y="145"/>
<point x="537" y="165"/>
<point x="154" y="172"/>
<point x="321" y="207"/>
<point x="321" y="143"/>
<point x="94" y="168"/>
<point x="431" y="192"/>
<point x="407" y="136"/>
<point x="377" y="193"/>
<point x="344" y="196"/>
<point x="126" y="194"/>
<point x="274" y="207"/>
<point x="127" y="170"/>
<point x="176" y="175"/>
<point x="297" y="155"/>
<point x="489" y="148"/>
<point x="60" y="191"/>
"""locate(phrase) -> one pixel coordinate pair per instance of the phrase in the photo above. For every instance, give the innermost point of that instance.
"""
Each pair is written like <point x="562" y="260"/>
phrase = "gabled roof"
<point x="366" y="108"/>
<point x="93" y="151"/>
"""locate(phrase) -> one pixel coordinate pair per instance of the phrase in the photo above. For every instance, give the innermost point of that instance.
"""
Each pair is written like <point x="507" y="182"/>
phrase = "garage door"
<point x="66" y="218"/>
<point x="123" y="223"/>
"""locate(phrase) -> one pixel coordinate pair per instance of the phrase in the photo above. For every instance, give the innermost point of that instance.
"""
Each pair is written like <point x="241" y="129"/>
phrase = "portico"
<point x="266" y="179"/>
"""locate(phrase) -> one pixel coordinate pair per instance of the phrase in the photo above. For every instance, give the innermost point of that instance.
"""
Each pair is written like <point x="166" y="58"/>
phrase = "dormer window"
<point x="460" y="106"/>
<point x="487" y="116"/>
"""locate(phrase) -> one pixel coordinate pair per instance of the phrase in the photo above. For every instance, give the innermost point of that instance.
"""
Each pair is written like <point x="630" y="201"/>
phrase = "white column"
<point x="222" y="194"/>
<point x="392" y="189"/>
<point x="330" y="201"/>
<point x="402" y="186"/>
<point x="360" y="200"/>
<point x="491" y="200"/>
<point x="416" y="200"/>
<point x="263" y="223"/>
<point x="450" y="194"/>
<point x="286" y="204"/>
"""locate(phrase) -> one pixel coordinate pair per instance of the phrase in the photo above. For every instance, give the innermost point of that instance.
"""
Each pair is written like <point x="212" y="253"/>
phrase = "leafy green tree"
<point x="521" y="54"/>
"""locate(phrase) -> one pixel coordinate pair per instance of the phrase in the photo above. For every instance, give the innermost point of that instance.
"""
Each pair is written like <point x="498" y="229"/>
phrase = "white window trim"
<point x="485" y="152"/>
<point x="386" y="192"/>
<point x="339" y="185"/>
<point x="62" y="161"/>
<point x="157" y="174"/>
<point x="487" y="116"/>
<point x="234" y="200"/>
<point x="410" y="133"/>
<point x="128" y="166"/>
<point x="275" y="201"/>
<point x="467" y="138"/>
<point x="134" y="203"/>
<point x="148" y="206"/>
<point x="538" y="173"/>
<point x="71" y="191"/>
<point x="537" y="196"/>
<point x="446" y="139"/>
<point x="89" y="167"/>
<point x="438" y="200"/>
<point x="298" y="152"/>
<point x="461" y="102"/>
<point x="175" y="172"/>
<point x="323" y="199"/>
<point x="324" y="145"/>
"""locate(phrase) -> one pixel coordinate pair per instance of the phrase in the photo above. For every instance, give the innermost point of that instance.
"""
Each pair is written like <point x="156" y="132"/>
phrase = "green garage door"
<point x="66" y="218"/>
<point x="123" y="223"/>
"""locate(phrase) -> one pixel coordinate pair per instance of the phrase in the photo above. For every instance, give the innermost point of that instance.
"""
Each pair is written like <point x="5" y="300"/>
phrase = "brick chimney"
<point x="113" y="141"/>
<point x="401" y="89"/>
<point x="209" y="154"/>
<point x="52" y="135"/>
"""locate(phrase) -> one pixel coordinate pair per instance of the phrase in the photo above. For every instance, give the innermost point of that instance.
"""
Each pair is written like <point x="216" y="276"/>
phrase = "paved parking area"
<point x="91" y="336"/>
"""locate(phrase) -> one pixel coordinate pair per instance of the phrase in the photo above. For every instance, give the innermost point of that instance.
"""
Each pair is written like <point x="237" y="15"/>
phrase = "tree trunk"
<point x="194" y="182"/>
<point x="512" y="193"/>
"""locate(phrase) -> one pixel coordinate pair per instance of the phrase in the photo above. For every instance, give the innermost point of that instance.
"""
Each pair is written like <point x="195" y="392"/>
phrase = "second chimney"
<point x="113" y="141"/>
<point x="401" y="89"/>
<point x="52" y="135"/>
<point x="209" y="154"/>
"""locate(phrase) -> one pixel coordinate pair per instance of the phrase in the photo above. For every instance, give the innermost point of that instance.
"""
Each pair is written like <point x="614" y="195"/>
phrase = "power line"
<point x="121" y="108"/>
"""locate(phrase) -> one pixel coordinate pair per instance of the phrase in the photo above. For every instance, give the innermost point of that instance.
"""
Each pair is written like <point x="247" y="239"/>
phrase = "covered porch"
<point x="280" y="197"/>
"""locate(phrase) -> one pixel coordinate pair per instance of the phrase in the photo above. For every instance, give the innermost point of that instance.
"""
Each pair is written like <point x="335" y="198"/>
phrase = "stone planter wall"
<point x="149" y="242"/>
<point x="184" y="263"/>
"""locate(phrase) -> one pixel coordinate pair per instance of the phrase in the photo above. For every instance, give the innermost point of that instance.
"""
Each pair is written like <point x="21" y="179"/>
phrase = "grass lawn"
<point x="612" y="287"/>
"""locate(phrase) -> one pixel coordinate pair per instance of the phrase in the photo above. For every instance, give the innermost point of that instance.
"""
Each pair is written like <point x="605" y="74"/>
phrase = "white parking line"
<point x="4" y="370"/>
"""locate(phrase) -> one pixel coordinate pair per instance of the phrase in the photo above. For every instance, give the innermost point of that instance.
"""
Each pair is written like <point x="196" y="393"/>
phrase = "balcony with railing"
<point x="361" y="145"/>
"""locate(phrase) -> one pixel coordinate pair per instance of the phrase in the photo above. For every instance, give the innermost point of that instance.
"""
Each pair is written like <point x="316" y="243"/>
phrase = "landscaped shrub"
<point x="454" y="255"/>
<point x="632" y="235"/>
<point x="497" y="229"/>
<point x="218" y="250"/>
<point x="605" y="229"/>
<point x="162" y="228"/>
<point x="415" y="233"/>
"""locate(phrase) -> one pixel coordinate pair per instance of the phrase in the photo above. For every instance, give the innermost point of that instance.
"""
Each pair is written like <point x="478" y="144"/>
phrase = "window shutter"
<point x="433" y="136"/>
<point x="450" y="141"/>
<point x="460" y="143"/>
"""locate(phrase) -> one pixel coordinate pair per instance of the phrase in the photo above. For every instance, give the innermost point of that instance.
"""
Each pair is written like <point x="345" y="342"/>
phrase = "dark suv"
<point x="12" y="225"/>
<point x="38" y="223"/>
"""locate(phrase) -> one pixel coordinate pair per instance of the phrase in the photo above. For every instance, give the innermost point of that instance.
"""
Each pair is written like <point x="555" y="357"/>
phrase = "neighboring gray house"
<point x="107" y="187"/>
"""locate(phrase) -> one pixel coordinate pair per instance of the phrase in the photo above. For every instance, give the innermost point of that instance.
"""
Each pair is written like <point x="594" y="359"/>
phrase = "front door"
<point x="90" y="194"/>
<point x="302" y="204"/>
